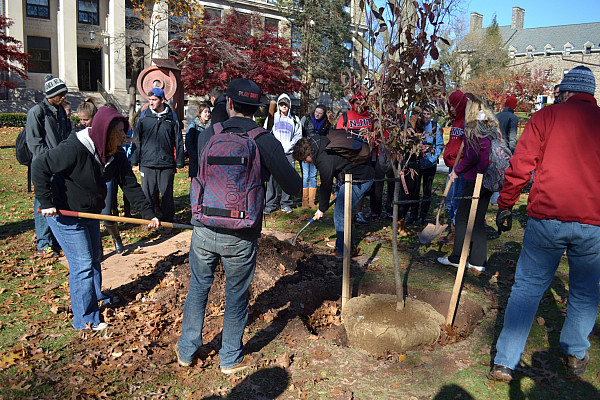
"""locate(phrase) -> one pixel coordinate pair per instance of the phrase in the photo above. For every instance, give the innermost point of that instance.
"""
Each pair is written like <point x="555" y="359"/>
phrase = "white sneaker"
<point x="445" y="261"/>
<point x="476" y="267"/>
<point x="100" y="326"/>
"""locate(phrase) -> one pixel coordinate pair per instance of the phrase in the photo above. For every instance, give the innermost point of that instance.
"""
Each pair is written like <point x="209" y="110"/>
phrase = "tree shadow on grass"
<point x="267" y="383"/>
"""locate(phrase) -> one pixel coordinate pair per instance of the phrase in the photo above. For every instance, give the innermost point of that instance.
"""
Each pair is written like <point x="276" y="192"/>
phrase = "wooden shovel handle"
<point x="115" y="218"/>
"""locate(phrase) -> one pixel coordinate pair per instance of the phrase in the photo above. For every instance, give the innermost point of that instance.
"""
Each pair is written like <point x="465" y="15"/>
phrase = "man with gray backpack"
<point x="236" y="158"/>
<point x="47" y="125"/>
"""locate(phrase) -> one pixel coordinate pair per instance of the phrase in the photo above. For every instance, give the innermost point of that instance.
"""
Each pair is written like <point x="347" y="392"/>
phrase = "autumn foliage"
<point x="236" y="46"/>
<point x="12" y="57"/>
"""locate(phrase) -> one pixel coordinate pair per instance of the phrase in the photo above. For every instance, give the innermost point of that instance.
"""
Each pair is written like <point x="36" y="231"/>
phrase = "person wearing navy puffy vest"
<point x="236" y="249"/>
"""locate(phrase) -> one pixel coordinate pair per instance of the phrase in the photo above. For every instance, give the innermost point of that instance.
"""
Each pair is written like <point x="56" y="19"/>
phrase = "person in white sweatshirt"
<point x="288" y="130"/>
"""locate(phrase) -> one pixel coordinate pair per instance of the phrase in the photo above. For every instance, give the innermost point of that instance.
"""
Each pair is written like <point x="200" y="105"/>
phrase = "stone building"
<point x="552" y="49"/>
<point x="86" y="42"/>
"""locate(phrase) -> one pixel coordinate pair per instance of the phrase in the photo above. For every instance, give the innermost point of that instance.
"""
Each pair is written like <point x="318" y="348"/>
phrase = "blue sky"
<point x="537" y="12"/>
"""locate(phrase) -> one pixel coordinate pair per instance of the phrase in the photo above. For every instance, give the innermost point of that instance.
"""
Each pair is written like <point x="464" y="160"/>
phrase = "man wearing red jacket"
<point x="562" y="144"/>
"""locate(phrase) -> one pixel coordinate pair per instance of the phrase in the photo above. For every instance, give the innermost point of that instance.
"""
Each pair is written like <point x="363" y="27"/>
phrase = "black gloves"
<point x="504" y="220"/>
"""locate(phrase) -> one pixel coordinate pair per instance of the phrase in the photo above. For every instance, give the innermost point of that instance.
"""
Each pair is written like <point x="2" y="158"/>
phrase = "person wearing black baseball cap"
<point x="157" y="148"/>
<point x="236" y="249"/>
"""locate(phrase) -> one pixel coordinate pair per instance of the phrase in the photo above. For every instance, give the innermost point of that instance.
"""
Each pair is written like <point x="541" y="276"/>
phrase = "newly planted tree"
<point x="399" y="82"/>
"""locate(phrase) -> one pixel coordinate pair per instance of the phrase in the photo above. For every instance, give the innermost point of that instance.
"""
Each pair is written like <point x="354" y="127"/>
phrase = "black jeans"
<point x="478" y="252"/>
<point x="160" y="179"/>
<point x="426" y="178"/>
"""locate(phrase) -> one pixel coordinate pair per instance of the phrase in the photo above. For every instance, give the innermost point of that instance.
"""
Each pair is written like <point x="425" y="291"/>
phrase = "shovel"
<point x="332" y="202"/>
<point x="114" y="218"/>
<point x="432" y="231"/>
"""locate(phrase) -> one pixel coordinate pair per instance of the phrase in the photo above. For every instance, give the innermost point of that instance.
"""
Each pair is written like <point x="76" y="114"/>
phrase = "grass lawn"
<point x="37" y="341"/>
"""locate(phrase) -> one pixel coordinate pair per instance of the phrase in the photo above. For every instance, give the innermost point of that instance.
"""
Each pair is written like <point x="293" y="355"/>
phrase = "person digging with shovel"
<point x="329" y="166"/>
<point x="86" y="161"/>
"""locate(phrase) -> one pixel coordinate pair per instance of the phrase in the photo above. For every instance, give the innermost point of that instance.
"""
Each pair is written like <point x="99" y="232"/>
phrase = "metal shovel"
<point x="300" y="231"/>
<point x="432" y="231"/>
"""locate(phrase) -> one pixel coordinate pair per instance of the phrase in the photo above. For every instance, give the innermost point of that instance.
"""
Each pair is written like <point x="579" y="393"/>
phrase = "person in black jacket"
<point x="85" y="161"/>
<point x="312" y="124"/>
<point x="219" y="102"/>
<point x="47" y="125"/>
<point x="236" y="249"/>
<point x="158" y="149"/>
<point x="331" y="166"/>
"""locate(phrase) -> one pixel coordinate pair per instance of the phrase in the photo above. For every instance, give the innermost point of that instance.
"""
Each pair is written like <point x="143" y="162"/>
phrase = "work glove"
<point x="504" y="220"/>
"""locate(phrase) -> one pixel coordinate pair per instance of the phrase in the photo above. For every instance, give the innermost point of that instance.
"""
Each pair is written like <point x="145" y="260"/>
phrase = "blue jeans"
<point x="80" y="240"/>
<point x="238" y="255"/>
<point x="544" y="243"/>
<point x="455" y="191"/>
<point x="309" y="175"/>
<point x="43" y="234"/>
<point x="358" y="192"/>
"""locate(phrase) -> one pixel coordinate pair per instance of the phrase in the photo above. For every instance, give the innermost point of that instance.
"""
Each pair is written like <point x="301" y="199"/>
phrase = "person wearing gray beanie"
<point x="561" y="143"/>
<point x="579" y="80"/>
<point x="54" y="86"/>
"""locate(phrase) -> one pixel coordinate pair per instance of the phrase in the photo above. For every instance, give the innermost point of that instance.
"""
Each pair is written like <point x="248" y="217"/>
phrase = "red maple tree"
<point x="12" y="57"/>
<point x="238" y="46"/>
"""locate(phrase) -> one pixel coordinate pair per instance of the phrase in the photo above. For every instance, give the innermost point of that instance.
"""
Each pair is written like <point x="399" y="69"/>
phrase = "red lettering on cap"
<point x="254" y="95"/>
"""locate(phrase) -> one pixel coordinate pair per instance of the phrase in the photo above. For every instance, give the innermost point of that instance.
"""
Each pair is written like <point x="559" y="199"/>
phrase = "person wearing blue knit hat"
<point x="560" y="143"/>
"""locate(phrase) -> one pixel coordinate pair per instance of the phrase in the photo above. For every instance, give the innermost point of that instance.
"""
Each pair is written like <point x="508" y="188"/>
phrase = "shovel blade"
<point x="431" y="232"/>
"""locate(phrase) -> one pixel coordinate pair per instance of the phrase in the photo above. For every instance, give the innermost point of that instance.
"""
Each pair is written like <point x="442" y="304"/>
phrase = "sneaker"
<point x="577" y="367"/>
<point x="445" y="261"/>
<point x="475" y="267"/>
<point x="100" y="326"/>
<point x="248" y="361"/>
<point x="331" y="245"/>
<point x="47" y="252"/>
<point x="179" y="360"/>
<point x="360" y="219"/>
<point x="500" y="373"/>
<point x="286" y="209"/>
<point x="267" y="211"/>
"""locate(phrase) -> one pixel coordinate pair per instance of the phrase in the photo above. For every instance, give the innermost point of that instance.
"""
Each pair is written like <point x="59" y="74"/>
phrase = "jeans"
<point x="80" y="240"/>
<point x="455" y="191"/>
<point x="544" y="243"/>
<point x="238" y="256"/>
<point x="273" y="189"/>
<point x="110" y="202"/>
<point x="43" y="234"/>
<point x="358" y="191"/>
<point x="309" y="175"/>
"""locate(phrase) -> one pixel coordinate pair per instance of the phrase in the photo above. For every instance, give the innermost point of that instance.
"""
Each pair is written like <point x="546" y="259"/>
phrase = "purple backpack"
<point x="228" y="191"/>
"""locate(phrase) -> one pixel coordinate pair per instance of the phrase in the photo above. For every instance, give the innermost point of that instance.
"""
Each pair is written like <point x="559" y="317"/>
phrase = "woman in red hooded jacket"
<point x="457" y="103"/>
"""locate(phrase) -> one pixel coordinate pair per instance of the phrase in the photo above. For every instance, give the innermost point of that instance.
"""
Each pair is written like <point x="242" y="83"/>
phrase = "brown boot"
<point x="312" y="194"/>
<point x="305" y="198"/>
<point x="450" y="237"/>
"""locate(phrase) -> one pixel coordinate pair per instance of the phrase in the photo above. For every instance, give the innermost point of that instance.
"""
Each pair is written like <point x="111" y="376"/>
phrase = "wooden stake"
<point x="464" y="253"/>
<point x="347" y="238"/>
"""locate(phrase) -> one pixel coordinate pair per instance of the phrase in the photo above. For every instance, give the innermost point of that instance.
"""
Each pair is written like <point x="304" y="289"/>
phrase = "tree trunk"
<point x="397" y="277"/>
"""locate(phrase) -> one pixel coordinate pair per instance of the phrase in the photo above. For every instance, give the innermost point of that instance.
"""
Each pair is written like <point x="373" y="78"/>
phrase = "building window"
<point x="89" y="12"/>
<point x="272" y="1"/>
<point x="132" y="64"/>
<point x="511" y="54"/>
<point x="132" y="21"/>
<point x="530" y="53"/>
<point x="272" y="25"/>
<point x="568" y="51"/>
<point x="39" y="50"/>
<point x="588" y="50"/>
<point x="212" y="14"/>
<point x="38" y="9"/>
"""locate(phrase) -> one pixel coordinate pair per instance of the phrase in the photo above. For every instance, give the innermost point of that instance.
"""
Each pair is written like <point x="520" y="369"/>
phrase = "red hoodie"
<point x="459" y="101"/>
